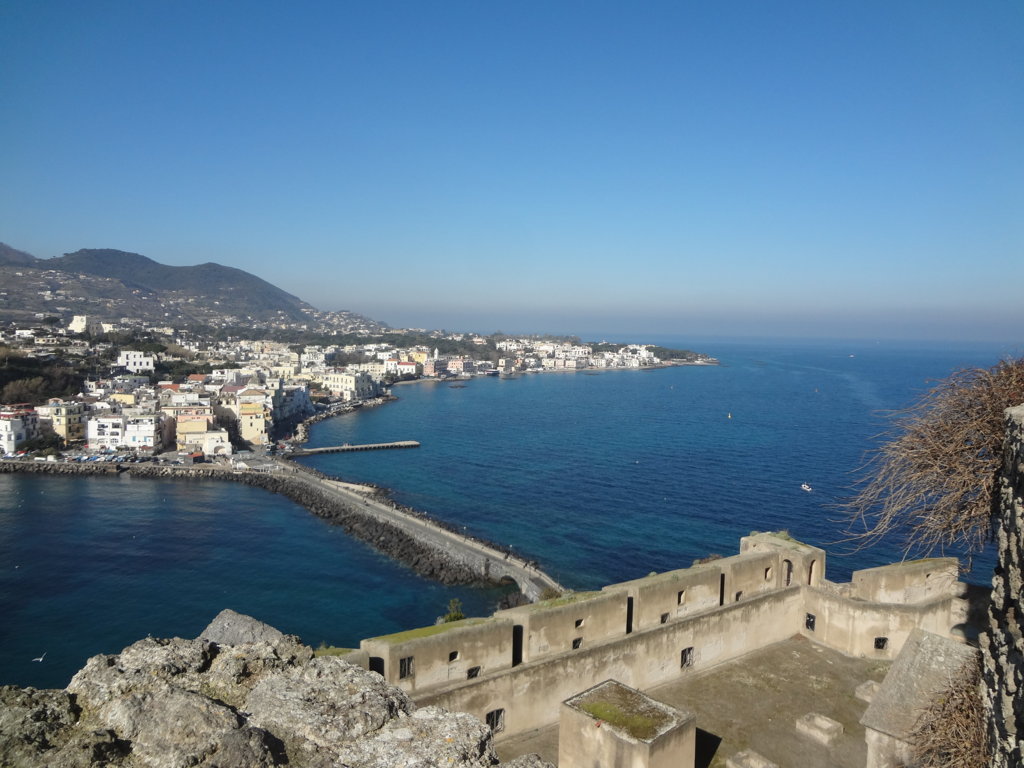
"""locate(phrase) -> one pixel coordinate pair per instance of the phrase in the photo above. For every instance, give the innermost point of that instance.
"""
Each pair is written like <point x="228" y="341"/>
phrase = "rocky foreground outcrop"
<point x="241" y="695"/>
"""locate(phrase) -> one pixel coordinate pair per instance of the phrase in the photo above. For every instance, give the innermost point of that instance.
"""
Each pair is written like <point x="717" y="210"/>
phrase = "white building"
<point x="105" y="433"/>
<point x="142" y="432"/>
<point x="12" y="433"/>
<point x="351" y="385"/>
<point x="136" y="361"/>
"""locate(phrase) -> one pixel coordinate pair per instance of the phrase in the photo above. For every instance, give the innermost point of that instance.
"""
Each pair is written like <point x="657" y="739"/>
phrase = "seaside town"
<point x="132" y="393"/>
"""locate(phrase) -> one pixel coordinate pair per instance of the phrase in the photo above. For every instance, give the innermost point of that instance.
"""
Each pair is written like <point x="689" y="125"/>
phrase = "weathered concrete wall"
<point x="666" y="738"/>
<point x="570" y="623"/>
<point x="1002" y="644"/>
<point x="531" y="694"/>
<point x="908" y="582"/>
<point x="799" y="563"/>
<point x="853" y="626"/>
<point x="672" y="594"/>
<point x="442" y="654"/>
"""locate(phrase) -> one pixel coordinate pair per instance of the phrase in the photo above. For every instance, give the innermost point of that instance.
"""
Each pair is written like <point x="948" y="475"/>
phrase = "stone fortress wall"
<point x="514" y="669"/>
<point x="1002" y="644"/>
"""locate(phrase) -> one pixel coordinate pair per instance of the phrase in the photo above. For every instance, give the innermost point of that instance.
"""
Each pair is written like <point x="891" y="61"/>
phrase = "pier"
<point x="347" y="448"/>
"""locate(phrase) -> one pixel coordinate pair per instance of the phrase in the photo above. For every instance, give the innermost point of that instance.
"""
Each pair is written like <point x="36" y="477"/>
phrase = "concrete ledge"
<point x="822" y="729"/>
<point x="748" y="758"/>
<point x="866" y="691"/>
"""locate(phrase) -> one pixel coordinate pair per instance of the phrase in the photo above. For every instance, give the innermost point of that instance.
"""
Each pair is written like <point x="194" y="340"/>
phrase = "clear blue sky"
<point x="842" y="168"/>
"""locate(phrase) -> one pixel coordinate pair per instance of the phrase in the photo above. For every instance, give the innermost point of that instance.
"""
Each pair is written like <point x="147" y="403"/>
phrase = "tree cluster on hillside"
<point x="27" y="380"/>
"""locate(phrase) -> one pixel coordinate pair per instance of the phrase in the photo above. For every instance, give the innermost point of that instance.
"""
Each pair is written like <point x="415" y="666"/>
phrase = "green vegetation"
<point x="783" y="534"/>
<point x="28" y="380"/>
<point x="45" y="445"/>
<point x="436" y="629"/>
<point x="566" y="599"/>
<point x="707" y="559"/>
<point x="331" y="650"/>
<point x="454" y="611"/>
<point x="623" y="709"/>
<point x="549" y="593"/>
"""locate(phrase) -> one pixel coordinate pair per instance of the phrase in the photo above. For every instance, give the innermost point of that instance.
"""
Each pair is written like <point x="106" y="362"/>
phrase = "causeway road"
<point x="489" y="562"/>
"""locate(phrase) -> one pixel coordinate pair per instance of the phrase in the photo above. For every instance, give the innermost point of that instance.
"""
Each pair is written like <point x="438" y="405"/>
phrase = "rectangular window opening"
<point x="680" y="597"/>
<point x="496" y="720"/>
<point x="767" y="573"/>
<point x="686" y="657"/>
<point x="406" y="668"/>
<point x="881" y="643"/>
<point x="472" y="672"/>
<point x="809" y="621"/>
<point x="579" y="623"/>
<point x="577" y="643"/>
<point x="664" y="618"/>
<point x="738" y="596"/>
<point x="453" y="656"/>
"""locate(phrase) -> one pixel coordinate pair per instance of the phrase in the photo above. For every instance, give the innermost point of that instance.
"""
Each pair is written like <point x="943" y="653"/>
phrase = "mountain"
<point x="12" y="257"/>
<point x="110" y="284"/>
<point x="245" y="293"/>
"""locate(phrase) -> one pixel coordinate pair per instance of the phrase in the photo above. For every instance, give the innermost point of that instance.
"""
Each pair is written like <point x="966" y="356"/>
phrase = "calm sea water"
<point x="600" y="477"/>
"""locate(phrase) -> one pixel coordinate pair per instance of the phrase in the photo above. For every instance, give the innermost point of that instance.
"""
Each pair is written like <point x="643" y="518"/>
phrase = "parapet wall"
<point x="530" y="695"/>
<point x="517" y="666"/>
<point x="1002" y="647"/>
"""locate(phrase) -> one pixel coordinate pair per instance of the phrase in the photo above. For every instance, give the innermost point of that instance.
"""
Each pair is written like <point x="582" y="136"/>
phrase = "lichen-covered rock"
<point x="33" y="722"/>
<point x="168" y="726"/>
<point x="429" y="737"/>
<point x="262" y="702"/>
<point x="107" y="678"/>
<point x="231" y="628"/>
<point x="316" y="707"/>
<point x="528" y="761"/>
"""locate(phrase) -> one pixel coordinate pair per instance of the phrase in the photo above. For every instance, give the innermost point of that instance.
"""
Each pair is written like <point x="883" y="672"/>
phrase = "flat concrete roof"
<point x="754" y="703"/>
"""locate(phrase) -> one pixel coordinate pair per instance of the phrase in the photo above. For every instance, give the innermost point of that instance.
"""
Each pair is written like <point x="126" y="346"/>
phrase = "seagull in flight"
<point x="41" y="657"/>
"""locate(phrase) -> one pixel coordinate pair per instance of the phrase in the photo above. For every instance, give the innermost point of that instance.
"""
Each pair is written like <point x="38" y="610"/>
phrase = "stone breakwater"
<point x="429" y="547"/>
<point x="241" y="695"/>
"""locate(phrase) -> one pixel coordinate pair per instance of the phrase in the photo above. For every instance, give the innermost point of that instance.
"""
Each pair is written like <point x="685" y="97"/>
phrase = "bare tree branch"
<point x="936" y="480"/>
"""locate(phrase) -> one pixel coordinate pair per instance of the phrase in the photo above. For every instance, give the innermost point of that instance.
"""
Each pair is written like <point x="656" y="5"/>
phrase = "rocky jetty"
<point x="241" y="695"/>
<point x="299" y="486"/>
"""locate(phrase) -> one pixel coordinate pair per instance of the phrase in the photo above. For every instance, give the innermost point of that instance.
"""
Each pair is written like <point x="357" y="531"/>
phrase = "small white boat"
<point x="805" y="487"/>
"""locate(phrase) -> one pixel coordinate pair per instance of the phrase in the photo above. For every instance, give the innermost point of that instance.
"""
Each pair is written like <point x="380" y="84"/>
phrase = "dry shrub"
<point x="952" y="733"/>
<point x="936" y="479"/>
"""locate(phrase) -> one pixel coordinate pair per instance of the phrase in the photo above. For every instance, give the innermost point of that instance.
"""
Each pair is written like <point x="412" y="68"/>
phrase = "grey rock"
<point x="169" y="727"/>
<point x="32" y="723"/>
<point x="230" y="628"/>
<point x="429" y="737"/>
<point x="262" y="702"/>
<point x="528" y="761"/>
<point x="246" y="748"/>
<point x="324" y="703"/>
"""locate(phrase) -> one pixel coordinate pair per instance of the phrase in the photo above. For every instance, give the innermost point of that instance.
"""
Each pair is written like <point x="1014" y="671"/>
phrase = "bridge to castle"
<point x="490" y="563"/>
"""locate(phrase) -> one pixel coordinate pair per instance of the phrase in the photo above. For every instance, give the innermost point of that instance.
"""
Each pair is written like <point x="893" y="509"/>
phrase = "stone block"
<point x="822" y="729"/>
<point x="615" y="726"/>
<point x="866" y="691"/>
<point x="748" y="758"/>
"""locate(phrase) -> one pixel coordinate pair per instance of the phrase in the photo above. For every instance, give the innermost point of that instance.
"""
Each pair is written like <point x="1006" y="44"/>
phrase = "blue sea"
<point x="600" y="477"/>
